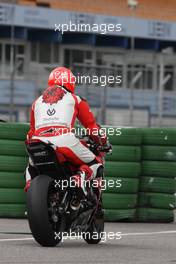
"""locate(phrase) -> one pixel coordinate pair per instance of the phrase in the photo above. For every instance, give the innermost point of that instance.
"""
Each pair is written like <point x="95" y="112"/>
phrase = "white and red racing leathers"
<point x="53" y="116"/>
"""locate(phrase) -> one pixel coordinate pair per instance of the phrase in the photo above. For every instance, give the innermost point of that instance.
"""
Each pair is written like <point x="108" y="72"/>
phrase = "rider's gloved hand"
<point x="107" y="147"/>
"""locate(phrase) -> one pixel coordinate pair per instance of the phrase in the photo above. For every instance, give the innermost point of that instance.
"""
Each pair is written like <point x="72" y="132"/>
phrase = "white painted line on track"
<point x="149" y="233"/>
<point x="15" y="239"/>
<point x="123" y="234"/>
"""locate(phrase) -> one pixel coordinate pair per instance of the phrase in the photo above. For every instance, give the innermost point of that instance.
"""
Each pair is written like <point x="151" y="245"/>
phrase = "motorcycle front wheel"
<point x="95" y="232"/>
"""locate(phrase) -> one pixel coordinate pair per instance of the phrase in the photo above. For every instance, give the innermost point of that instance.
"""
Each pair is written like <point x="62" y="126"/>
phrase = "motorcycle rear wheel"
<point x="39" y="219"/>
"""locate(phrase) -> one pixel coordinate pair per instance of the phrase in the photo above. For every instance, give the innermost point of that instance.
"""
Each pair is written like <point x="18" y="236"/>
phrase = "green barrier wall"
<point x="13" y="161"/>
<point x="139" y="176"/>
<point x="124" y="166"/>
<point x="156" y="198"/>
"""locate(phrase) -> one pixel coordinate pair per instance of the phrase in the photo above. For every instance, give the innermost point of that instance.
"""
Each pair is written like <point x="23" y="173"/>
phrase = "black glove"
<point x="107" y="148"/>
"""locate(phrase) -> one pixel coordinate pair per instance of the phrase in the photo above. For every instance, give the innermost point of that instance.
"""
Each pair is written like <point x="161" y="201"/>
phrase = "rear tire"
<point x="38" y="216"/>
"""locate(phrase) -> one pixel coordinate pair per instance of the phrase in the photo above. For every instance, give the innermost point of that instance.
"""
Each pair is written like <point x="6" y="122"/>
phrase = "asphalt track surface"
<point x="139" y="244"/>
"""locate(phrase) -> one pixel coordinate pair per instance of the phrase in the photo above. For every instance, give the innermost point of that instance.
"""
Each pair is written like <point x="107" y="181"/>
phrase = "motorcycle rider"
<point x="52" y="119"/>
